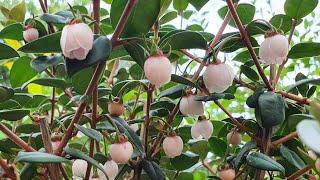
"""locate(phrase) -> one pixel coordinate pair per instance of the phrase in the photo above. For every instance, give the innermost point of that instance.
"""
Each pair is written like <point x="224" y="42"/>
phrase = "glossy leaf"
<point x="39" y="157"/>
<point x="198" y="4"/>
<point x="21" y="72"/>
<point x="299" y="8"/>
<point x="245" y="11"/>
<point x="92" y="133"/>
<point x="7" y="52"/>
<point x="263" y="162"/>
<point x="5" y="93"/>
<point x="13" y="114"/>
<point x="51" y="82"/>
<point x="302" y="50"/>
<point x="217" y="146"/>
<point x="12" y="31"/>
<point x="41" y="63"/>
<point x="291" y="157"/>
<point x="241" y="156"/>
<point x="184" y="161"/>
<point x="46" y="44"/>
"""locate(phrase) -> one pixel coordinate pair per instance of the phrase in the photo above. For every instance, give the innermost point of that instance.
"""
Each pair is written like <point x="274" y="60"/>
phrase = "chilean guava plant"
<point x="114" y="89"/>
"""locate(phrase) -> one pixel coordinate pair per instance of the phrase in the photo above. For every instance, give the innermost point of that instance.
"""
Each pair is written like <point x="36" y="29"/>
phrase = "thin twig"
<point x="148" y="119"/>
<point x="284" y="139"/>
<point x="246" y="40"/>
<point x="299" y="173"/>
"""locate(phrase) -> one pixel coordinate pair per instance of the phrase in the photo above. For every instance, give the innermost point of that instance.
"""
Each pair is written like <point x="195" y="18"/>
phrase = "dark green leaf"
<point x="183" y="80"/>
<point x="299" y="8"/>
<point x="21" y="72"/>
<point x="13" y="114"/>
<point x="218" y="146"/>
<point x="243" y="153"/>
<point x="5" y="93"/>
<point x="46" y="44"/>
<point x="244" y="56"/>
<point x="304" y="81"/>
<point x="245" y="11"/>
<point x="39" y="157"/>
<point x="94" y="134"/>
<point x="281" y="21"/>
<point x="198" y="4"/>
<point x="258" y="27"/>
<point x="51" y="82"/>
<point x="264" y="162"/>
<point x="182" y="39"/>
<point x="291" y="157"/>
<point x="173" y="92"/>
<point x="200" y="147"/>
<point x="28" y="171"/>
<point x="184" y="161"/>
<point x="7" y="52"/>
<point x="152" y="169"/>
<point x="302" y="50"/>
<point x="12" y="31"/>
<point x="180" y="5"/>
<point x="250" y="73"/>
<point x="143" y="16"/>
<point x="100" y="51"/>
<point x="81" y="80"/>
<point x="53" y="18"/>
<point x="41" y="63"/>
<point x="123" y="87"/>
<point x="168" y="17"/>
<point x="214" y="97"/>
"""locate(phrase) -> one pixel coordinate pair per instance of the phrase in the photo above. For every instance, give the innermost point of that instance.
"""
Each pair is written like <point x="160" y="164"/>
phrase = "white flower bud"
<point x="274" y="49"/>
<point x="30" y="34"/>
<point x="157" y="69"/>
<point x="202" y="129"/>
<point x="189" y="106"/>
<point x="172" y="146"/>
<point x="218" y="77"/>
<point x="234" y="138"/>
<point x="76" y="41"/>
<point x="121" y="152"/>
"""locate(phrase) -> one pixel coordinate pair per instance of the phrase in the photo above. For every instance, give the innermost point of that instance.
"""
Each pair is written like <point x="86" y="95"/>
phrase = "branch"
<point x="207" y="166"/>
<point x="96" y="76"/>
<point x="148" y="119"/>
<point x="299" y="173"/>
<point x="284" y="139"/>
<point x="246" y="40"/>
<point x="17" y="140"/>
<point x="299" y="99"/>
<point x="8" y="169"/>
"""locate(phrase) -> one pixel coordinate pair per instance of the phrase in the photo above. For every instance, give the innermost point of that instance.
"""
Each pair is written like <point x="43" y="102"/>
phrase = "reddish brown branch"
<point x="148" y="119"/>
<point x="8" y="170"/>
<point x="13" y="137"/>
<point x="246" y="40"/>
<point x="299" y="173"/>
<point x="96" y="76"/>
<point x="301" y="100"/>
<point x="284" y="139"/>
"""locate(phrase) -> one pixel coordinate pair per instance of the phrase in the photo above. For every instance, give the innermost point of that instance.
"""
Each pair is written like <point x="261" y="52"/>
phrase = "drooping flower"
<point x="234" y="138"/>
<point x="30" y="33"/>
<point x="121" y="152"/>
<point x="274" y="49"/>
<point x="79" y="168"/>
<point x="157" y="69"/>
<point x="111" y="168"/>
<point x="76" y="40"/>
<point x="189" y="106"/>
<point x="172" y="146"/>
<point x="202" y="129"/>
<point x="115" y="107"/>
<point x="218" y="77"/>
<point x="227" y="174"/>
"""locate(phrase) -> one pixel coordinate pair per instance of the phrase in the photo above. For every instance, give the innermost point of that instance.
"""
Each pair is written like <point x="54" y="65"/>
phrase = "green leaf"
<point x="173" y="92"/>
<point x="54" y="18"/>
<point x="180" y="5"/>
<point x="46" y="44"/>
<point x="200" y="147"/>
<point x="152" y="169"/>
<point x="79" y="154"/>
<point x="182" y="80"/>
<point x="198" y="4"/>
<point x="18" y="12"/>
<point x="272" y="109"/>
<point x="5" y="93"/>
<point x="243" y="153"/>
<point x="12" y="31"/>
<point x="250" y="73"/>
<point x="264" y="162"/>
<point x="13" y="114"/>
<point x="257" y="27"/>
<point x="41" y="63"/>
<point x="28" y="171"/>
<point x="123" y="87"/>
<point x="7" y="52"/>
<point x="137" y="51"/>
<point x="168" y="17"/>
<point x="100" y="51"/>
<point x="50" y="82"/>
<point x="182" y="39"/>
<point x="143" y="16"/>
<point x="245" y="11"/>
<point x="92" y="133"/>
<point x="315" y="109"/>
<point x="244" y="56"/>
<point x="184" y="161"/>
<point x="39" y="157"/>
<point x="297" y="9"/>
<point x="218" y="146"/>
<point x="302" y="50"/>
<point x="291" y="157"/>
<point x="81" y="80"/>
<point x="281" y="21"/>
<point x="125" y="128"/>
<point x="21" y="72"/>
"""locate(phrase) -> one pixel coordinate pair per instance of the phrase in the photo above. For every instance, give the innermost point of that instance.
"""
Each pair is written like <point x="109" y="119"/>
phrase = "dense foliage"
<point x="115" y="90"/>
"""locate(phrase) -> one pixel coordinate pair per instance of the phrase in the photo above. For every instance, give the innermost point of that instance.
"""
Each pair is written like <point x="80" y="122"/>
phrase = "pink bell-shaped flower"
<point x="190" y="107"/>
<point x="30" y="33"/>
<point x="76" y="40"/>
<point x="274" y="49"/>
<point x="202" y="129"/>
<point x="172" y="146"/>
<point x="121" y="152"/>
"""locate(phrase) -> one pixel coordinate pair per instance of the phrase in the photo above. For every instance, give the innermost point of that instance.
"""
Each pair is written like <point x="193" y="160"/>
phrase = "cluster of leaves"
<point x="26" y="89"/>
